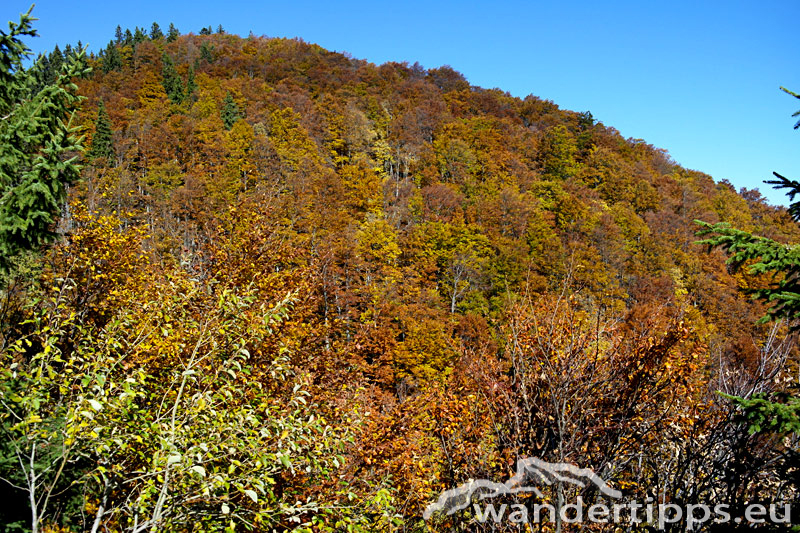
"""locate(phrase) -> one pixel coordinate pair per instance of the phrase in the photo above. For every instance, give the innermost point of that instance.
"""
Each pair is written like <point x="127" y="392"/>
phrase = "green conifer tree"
<point x="205" y="53"/>
<point x="37" y="143"/>
<point x="45" y="73"/>
<point x="230" y="111"/>
<point x="139" y="35"/>
<point x="173" y="85"/>
<point x="191" y="86"/>
<point x="57" y="59"/>
<point x="155" y="32"/>
<point x="778" y="412"/>
<point x="102" y="150"/>
<point x="111" y="58"/>
<point x="173" y="33"/>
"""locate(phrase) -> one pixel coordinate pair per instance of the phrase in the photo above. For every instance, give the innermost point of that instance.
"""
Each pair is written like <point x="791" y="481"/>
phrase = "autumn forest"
<point x="285" y="289"/>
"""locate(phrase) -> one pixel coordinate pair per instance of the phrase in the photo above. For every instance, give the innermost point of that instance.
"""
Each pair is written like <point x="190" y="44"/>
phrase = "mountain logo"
<point x="530" y="472"/>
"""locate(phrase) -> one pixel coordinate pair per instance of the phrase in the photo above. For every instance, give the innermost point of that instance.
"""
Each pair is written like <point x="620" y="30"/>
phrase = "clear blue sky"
<point x="699" y="79"/>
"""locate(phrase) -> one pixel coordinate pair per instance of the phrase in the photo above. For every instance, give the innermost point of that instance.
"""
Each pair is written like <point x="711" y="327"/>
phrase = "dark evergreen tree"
<point x="155" y="32"/>
<point x="118" y="36"/>
<point x="139" y="35"/>
<point x="49" y="73"/>
<point x="220" y="29"/>
<point x="230" y="111"/>
<point x="57" y="59"/>
<point x="102" y="150"/>
<point x="206" y="31"/>
<point x="36" y="144"/>
<point x="191" y="86"/>
<point x="173" y="33"/>
<point x="205" y="53"/>
<point x="173" y="85"/>
<point x="585" y="126"/>
<point x="45" y="75"/>
<point x="111" y="59"/>
<point x="128" y="37"/>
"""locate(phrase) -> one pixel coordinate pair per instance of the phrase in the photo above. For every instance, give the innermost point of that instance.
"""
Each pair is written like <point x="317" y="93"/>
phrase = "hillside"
<point x="309" y="292"/>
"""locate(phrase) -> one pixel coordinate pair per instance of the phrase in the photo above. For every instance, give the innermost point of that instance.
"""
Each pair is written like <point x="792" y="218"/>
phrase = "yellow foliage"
<point x="151" y="93"/>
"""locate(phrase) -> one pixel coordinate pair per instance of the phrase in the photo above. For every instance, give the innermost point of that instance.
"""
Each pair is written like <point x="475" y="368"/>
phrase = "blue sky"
<point x="699" y="79"/>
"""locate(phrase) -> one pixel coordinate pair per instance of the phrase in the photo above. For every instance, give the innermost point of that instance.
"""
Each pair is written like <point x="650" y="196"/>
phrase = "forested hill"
<point x="453" y="278"/>
<point x="405" y="189"/>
